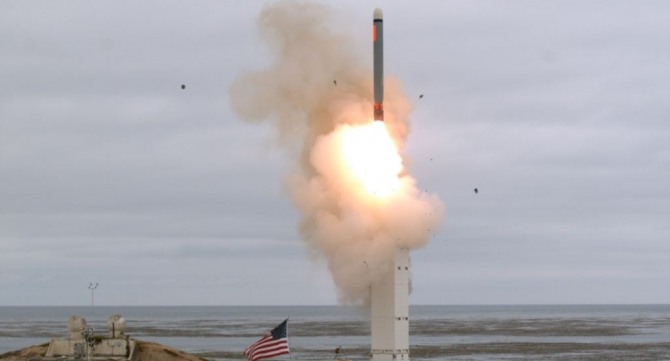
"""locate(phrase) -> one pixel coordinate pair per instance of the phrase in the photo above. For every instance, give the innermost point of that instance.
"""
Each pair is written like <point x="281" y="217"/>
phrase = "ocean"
<point x="555" y="332"/>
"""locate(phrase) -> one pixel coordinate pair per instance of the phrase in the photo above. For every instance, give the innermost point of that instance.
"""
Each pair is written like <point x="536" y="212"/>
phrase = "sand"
<point x="147" y="351"/>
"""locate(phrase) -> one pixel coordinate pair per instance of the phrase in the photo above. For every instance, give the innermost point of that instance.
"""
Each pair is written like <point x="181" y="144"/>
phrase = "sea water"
<point x="556" y="332"/>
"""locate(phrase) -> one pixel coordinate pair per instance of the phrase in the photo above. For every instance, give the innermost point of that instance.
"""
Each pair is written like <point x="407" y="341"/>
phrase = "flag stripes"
<point x="273" y="344"/>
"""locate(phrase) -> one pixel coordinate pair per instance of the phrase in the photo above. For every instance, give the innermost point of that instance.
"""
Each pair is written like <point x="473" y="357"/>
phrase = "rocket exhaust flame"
<point x="358" y="203"/>
<point x="372" y="159"/>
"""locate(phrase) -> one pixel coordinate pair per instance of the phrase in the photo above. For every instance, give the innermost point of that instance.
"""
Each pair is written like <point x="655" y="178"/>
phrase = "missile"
<point x="378" y="63"/>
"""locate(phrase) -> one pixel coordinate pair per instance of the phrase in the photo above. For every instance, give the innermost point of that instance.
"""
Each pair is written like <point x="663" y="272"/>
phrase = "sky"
<point x="556" y="111"/>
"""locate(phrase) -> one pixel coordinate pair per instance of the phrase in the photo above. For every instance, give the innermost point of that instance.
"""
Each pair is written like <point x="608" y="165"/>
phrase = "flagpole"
<point x="288" y="340"/>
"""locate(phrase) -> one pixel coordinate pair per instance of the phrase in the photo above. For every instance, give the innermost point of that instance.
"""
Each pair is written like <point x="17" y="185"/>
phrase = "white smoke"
<point x="355" y="234"/>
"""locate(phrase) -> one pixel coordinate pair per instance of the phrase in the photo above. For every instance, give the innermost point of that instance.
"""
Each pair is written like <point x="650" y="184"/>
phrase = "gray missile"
<point x="378" y="63"/>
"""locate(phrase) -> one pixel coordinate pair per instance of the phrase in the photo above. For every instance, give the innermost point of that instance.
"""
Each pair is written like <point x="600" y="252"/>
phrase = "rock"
<point x="147" y="351"/>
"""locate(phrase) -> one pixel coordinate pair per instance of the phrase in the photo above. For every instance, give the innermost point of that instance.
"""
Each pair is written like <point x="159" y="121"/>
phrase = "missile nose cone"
<point x="378" y="14"/>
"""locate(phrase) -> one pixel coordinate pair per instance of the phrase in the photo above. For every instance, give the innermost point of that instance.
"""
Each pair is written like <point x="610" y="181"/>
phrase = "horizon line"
<point x="337" y="305"/>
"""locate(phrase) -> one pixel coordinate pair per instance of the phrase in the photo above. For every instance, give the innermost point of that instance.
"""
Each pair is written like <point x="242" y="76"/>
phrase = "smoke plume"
<point x="317" y="93"/>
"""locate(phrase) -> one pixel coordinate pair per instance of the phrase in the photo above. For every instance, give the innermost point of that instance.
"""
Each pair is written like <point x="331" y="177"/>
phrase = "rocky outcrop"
<point x="146" y="351"/>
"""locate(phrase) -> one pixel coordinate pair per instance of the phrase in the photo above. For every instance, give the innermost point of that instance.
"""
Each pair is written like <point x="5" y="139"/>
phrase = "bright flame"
<point x="371" y="157"/>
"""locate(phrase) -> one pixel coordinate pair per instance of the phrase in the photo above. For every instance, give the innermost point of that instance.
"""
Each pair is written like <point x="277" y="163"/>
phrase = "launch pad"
<point x="389" y="312"/>
<point x="82" y="344"/>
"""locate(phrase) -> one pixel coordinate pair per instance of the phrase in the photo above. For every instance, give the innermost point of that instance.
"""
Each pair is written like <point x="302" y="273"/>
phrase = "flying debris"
<point x="378" y="63"/>
<point x="421" y="96"/>
<point x="476" y="190"/>
<point x="348" y="181"/>
<point x="183" y="86"/>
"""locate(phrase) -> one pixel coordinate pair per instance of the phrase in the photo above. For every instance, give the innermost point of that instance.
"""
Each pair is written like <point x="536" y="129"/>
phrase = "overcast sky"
<point x="557" y="111"/>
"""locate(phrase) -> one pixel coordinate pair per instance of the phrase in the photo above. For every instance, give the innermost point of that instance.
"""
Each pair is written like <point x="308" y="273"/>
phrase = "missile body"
<point x="378" y="63"/>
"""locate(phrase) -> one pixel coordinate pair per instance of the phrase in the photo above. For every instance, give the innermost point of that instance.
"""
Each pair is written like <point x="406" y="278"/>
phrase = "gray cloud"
<point x="556" y="111"/>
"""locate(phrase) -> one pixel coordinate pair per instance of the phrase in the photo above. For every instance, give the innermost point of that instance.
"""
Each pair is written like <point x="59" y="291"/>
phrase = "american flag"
<point x="274" y="343"/>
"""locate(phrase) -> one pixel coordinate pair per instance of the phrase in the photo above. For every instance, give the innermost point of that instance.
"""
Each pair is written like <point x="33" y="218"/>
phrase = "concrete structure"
<point x="76" y="327"/>
<point x="389" y="312"/>
<point x="116" y="325"/>
<point x="82" y="344"/>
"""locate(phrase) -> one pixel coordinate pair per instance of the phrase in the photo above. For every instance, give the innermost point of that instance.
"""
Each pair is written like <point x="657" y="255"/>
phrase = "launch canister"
<point x="378" y="63"/>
